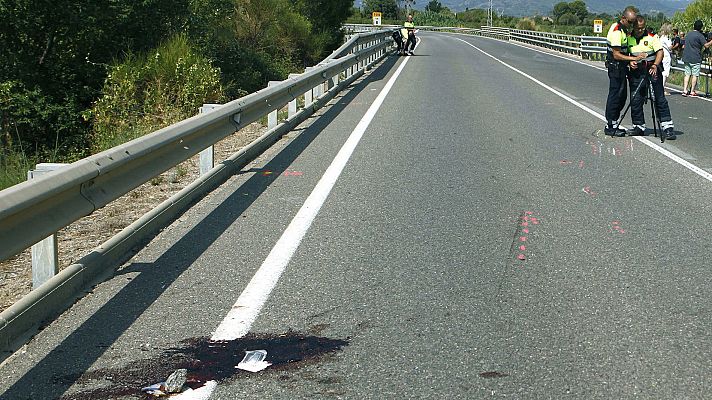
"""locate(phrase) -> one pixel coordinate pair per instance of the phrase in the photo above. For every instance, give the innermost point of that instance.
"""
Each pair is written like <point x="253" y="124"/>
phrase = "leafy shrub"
<point x="147" y="92"/>
<point x="526" y="24"/>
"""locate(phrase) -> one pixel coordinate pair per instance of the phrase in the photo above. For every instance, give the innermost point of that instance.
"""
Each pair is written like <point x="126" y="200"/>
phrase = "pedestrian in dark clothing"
<point x="695" y="41"/>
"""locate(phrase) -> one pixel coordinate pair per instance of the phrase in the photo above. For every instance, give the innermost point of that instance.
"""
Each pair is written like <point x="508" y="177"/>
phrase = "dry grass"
<point x="79" y="238"/>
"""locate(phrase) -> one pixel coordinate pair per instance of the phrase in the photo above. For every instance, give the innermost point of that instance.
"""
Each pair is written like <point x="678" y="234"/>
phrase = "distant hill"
<point x="521" y="8"/>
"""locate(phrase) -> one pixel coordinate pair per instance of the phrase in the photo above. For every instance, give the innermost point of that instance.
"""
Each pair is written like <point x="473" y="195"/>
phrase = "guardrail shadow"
<point x="54" y="374"/>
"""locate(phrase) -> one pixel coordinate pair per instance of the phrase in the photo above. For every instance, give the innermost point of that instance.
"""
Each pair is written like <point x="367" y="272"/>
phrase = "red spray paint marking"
<point x="588" y="190"/>
<point x="293" y="173"/>
<point x="567" y="162"/>
<point x="525" y="220"/>
<point x="617" y="228"/>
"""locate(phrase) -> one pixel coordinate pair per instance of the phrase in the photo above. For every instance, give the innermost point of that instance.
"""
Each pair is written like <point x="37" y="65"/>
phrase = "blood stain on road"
<point x="205" y="361"/>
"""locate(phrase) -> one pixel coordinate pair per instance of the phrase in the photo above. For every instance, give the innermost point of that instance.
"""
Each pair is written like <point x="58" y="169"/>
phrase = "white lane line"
<point x="239" y="320"/>
<point x="692" y="167"/>
<point x="572" y="60"/>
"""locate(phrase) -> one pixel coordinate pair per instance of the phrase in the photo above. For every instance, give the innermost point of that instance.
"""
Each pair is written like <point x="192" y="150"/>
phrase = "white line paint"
<point x="692" y="167"/>
<point x="239" y="320"/>
<point x="569" y="59"/>
<point x="201" y="393"/>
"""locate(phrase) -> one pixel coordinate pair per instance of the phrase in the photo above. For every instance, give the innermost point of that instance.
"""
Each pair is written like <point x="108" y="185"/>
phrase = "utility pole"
<point x="489" y="14"/>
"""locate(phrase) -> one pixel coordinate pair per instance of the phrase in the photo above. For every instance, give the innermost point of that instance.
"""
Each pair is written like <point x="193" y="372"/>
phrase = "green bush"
<point x="526" y="24"/>
<point x="434" y="19"/>
<point x="147" y="92"/>
<point x="700" y="9"/>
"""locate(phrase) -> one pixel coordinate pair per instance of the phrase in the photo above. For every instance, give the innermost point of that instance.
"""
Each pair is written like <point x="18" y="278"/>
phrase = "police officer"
<point x="645" y="43"/>
<point x="409" y="27"/>
<point x="617" y="60"/>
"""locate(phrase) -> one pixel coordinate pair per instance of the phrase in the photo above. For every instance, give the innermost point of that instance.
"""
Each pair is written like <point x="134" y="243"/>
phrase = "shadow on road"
<point x="54" y="374"/>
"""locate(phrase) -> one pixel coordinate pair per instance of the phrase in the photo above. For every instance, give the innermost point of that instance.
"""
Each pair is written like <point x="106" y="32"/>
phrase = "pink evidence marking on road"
<point x="522" y="247"/>
<point x="522" y="257"/>
<point x="525" y="230"/>
<point x="523" y="239"/>
<point x="293" y="173"/>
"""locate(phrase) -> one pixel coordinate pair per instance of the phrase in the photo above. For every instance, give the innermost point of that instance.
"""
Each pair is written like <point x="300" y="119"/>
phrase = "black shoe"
<point x="669" y="134"/>
<point x="636" y="131"/>
<point x="617" y="132"/>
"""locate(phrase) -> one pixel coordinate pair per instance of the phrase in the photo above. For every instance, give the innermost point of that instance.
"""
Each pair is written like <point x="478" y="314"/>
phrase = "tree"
<point x="578" y="8"/>
<point x="389" y="8"/>
<point x="434" y="6"/>
<point x="700" y="9"/>
<point x="569" y="19"/>
<point x="560" y="9"/>
<point x="326" y="18"/>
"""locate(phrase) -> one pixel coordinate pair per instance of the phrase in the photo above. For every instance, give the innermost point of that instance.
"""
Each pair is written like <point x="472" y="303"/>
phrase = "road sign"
<point x="597" y="26"/>
<point x="376" y="18"/>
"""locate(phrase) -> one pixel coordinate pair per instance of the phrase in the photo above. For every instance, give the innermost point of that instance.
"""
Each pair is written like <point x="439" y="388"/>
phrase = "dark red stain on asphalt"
<point x="493" y="374"/>
<point x="206" y="360"/>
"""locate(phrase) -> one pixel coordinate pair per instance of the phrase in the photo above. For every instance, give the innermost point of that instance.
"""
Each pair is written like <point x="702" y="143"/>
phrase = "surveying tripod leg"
<point x="630" y="103"/>
<point x="657" y="128"/>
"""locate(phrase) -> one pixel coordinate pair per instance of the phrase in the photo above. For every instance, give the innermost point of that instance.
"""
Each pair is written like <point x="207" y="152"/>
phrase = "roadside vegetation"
<point x="565" y="17"/>
<point x="80" y="76"/>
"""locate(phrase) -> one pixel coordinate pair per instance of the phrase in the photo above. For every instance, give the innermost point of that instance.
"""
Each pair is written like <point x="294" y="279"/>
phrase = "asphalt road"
<point x="484" y="240"/>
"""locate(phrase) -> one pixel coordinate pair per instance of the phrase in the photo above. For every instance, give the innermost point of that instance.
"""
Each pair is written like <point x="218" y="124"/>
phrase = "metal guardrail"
<point x="35" y="209"/>
<point x="586" y="47"/>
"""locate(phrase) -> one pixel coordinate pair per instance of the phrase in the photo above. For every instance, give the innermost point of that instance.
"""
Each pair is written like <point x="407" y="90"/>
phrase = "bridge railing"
<point x="37" y="208"/>
<point x="586" y="47"/>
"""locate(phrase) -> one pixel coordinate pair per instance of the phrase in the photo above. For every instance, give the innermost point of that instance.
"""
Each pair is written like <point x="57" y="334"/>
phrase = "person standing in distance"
<point x="409" y="26"/>
<point x="643" y="42"/>
<point x="617" y="60"/>
<point x="666" y="41"/>
<point x="692" y="57"/>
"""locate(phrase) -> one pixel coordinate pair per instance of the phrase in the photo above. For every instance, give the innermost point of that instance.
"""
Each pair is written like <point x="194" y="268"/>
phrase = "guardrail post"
<point x="272" y="117"/>
<point x="292" y="107"/>
<point x="207" y="156"/>
<point x="318" y="90"/>
<point x="309" y="94"/>
<point x="45" y="262"/>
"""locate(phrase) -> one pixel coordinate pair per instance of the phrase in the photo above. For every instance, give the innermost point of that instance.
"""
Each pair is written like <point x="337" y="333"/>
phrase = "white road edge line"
<point x="239" y="320"/>
<point x="692" y="167"/>
<point x="566" y="58"/>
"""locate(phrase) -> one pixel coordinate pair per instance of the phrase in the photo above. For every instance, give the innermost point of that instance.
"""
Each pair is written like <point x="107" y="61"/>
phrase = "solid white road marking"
<point x="238" y="321"/>
<point x="692" y="167"/>
<point x="569" y="59"/>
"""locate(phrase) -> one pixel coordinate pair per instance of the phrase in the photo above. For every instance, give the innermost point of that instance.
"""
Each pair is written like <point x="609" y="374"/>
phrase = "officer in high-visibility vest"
<point x="617" y="60"/>
<point x="409" y="27"/>
<point x="648" y="44"/>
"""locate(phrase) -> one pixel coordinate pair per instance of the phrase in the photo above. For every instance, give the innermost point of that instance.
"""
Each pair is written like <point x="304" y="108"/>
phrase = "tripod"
<point x="649" y="95"/>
